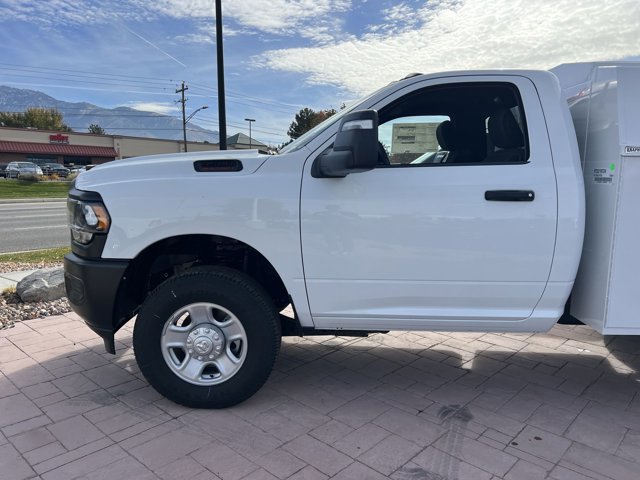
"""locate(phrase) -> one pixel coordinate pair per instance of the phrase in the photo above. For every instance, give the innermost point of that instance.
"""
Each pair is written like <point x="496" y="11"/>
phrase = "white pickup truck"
<point x="361" y="230"/>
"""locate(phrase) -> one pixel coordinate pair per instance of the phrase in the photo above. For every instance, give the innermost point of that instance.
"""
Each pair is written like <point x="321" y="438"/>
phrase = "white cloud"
<point x="471" y="34"/>
<point x="317" y="20"/>
<point x="57" y="12"/>
<point x="325" y="30"/>
<point x="201" y="38"/>
<point x="396" y="19"/>
<point x="163" y="108"/>
<point x="283" y="15"/>
<point x="205" y="33"/>
<point x="274" y="16"/>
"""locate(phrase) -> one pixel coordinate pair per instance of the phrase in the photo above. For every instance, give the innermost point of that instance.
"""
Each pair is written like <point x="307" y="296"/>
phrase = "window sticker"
<point x="604" y="175"/>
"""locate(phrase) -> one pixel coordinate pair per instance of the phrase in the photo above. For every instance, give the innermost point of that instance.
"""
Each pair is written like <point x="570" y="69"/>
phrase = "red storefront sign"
<point x="58" y="138"/>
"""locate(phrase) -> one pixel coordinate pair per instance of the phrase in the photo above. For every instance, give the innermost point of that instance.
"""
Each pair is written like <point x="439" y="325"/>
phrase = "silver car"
<point x="22" y="169"/>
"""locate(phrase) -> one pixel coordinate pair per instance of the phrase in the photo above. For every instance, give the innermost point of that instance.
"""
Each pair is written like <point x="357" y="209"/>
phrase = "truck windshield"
<point x="303" y="140"/>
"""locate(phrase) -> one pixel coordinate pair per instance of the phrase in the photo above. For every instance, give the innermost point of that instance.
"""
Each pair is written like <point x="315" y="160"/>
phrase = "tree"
<point x="306" y="119"/>
<point x="96" y="129"/>
<point x="284" y="144"/>
<point x="40" y="118"/>
<point x="322" y="115"/>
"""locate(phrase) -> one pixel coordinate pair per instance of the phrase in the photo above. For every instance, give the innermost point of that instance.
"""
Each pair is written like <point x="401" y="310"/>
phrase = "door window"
<point x="457" y="124"/>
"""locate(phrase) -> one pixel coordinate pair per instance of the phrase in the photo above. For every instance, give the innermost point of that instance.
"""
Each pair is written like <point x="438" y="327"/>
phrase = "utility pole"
<point x="250" y="120"/>
<point x="184" y="120"/>
<point x="222" y="115"/>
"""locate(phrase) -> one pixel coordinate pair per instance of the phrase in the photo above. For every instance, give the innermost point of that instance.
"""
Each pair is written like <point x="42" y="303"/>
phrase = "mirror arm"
<point x="332" y="164"/>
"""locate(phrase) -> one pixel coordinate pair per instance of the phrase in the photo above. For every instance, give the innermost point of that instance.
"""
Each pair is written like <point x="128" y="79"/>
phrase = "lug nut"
<point x="196" y="331"/>
<point x="206" y="330"/>
<point x="216" y="337"/>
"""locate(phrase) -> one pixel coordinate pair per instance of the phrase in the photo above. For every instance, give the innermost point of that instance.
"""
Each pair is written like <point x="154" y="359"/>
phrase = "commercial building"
<point x="71" y="148"/>
<point x="410" y="140"/>
<point x="240" y="141"/>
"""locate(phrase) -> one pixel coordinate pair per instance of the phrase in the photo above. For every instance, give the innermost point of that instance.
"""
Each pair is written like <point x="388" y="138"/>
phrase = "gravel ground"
<point x="12" y="309"/>
<point x="6" y="267"/>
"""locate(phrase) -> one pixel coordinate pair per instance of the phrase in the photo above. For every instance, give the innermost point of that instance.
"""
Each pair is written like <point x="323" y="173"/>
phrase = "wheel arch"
<point x="192" y="252"/>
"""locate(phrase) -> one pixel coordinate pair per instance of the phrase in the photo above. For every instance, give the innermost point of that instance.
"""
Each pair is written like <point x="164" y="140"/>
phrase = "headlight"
<point x="87" y="219"/>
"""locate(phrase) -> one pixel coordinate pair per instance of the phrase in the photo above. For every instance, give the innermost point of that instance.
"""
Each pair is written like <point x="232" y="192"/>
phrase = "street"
<point x="33" y="225"/>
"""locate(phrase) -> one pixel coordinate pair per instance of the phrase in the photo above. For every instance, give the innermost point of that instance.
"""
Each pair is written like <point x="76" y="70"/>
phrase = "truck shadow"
<point x="532" y="395"/>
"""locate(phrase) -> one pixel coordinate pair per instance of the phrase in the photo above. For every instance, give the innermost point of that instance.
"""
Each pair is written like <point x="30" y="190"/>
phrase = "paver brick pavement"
<point x="563" y="405"/>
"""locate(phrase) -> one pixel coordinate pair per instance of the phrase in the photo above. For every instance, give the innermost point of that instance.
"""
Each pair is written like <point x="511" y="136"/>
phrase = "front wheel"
<point x="207" y="339"/>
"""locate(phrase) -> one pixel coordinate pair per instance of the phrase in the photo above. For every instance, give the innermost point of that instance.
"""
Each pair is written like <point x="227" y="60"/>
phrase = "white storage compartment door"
<point x="597" y="113"/>
<point x="623" y="316"/>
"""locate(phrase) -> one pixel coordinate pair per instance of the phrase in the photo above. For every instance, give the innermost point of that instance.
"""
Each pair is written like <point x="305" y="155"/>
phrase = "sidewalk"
<point x="11" y="279"/>
<point x="407" y="405"/>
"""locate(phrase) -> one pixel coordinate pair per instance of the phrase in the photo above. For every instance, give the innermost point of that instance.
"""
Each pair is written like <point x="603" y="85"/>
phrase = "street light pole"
<point x="250" y="120"/>
<point x="186" y="120"/>
<point x="222" y="115"/>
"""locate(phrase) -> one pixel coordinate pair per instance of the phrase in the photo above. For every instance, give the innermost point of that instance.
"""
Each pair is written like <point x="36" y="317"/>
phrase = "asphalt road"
<point x="31" y="226"/>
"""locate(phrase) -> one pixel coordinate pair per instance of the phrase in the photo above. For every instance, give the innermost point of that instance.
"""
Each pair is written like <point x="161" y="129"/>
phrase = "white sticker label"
<point x="604" y="176"/>
<point x="631" y="150"/>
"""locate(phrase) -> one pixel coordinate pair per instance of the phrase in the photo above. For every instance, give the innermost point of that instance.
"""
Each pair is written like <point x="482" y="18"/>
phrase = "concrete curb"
<point x="31" y="200"/>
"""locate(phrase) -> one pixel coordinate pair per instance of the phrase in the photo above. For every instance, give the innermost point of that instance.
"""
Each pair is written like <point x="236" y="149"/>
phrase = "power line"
<point x="84" y="79"/>
<point x="136" y="128"/>
<point x="150" y="80"/>
<point x="123" y="115"/>
<point x="205" y="120"/>
<point x="115" y="129"/>
<point x="244" y="127"/>
<point x="138" y="80"/>
<point x="115" y="75"/>
<point x="261" y="100"/>
<point x="77" y="87"/>
<point x="158" y="93"/>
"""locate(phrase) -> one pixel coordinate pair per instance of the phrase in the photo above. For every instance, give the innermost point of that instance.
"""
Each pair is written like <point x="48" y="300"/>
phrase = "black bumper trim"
<point x="92" y="288"/>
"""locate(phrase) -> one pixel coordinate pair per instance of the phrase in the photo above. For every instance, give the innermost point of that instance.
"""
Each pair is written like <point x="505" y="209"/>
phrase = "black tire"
<point x="232" y="290"/>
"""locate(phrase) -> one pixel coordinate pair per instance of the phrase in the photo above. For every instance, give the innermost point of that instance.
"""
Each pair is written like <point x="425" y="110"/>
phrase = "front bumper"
<point x="92" y="288"/>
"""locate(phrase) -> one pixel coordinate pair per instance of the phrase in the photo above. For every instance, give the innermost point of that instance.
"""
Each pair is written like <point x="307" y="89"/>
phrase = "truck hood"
<point x="174" y="165"/>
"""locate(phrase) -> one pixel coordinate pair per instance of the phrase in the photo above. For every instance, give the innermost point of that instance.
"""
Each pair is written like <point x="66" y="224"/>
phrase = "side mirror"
<point x="355" y="148"/>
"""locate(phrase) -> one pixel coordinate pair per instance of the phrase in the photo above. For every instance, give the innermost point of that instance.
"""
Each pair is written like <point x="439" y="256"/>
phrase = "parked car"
<point x="3" y="170"/>
<point x="21" y="169"/>
<point x="55" y="169"/>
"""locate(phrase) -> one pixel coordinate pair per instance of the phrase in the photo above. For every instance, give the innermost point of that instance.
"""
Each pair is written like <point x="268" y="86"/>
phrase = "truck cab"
<point x="479" y="241"/>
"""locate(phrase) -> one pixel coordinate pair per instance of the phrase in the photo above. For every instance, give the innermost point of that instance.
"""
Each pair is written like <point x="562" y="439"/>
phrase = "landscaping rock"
<point x="13" y="309"/>
<point x="42" y="286"/>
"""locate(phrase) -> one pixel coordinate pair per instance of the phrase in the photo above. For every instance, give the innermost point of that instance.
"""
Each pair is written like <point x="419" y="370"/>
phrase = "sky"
<point x="283" y="55"/>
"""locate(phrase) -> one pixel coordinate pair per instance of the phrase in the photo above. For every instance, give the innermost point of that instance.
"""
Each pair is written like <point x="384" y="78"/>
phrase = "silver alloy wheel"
<point x="204" y="343"/>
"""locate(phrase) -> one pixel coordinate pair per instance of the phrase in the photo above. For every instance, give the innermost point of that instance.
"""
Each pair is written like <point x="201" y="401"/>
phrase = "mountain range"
<point x="115" y="121"/>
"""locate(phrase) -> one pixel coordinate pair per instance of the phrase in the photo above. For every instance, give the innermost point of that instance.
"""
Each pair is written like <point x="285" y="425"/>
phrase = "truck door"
<point x="454" y="229"/>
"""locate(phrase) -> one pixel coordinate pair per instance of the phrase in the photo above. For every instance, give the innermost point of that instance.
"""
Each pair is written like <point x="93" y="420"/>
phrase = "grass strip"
<point x="21" y="189"/>
<point x="49" y="255"/>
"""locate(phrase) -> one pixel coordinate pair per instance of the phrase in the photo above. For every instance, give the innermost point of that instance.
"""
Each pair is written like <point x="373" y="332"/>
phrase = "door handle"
<point x="510" y="195"/>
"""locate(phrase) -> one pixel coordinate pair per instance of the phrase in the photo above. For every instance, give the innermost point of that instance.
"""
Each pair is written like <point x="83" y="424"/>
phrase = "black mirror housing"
<point x="355" y="148"/>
